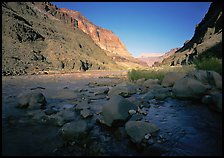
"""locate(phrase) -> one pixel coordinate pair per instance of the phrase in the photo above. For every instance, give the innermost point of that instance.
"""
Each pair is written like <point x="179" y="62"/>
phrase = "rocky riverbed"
<point x="102" y="113"/>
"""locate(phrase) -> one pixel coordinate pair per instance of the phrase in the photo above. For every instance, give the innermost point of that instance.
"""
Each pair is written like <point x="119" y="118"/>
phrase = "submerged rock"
<point x="216" y="101"/>
<point x="31" y="100"/>
<point x="115" y="111"/>
<point x="76" y="130"/>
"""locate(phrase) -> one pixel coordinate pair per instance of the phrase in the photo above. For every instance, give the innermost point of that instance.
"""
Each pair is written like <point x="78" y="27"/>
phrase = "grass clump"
<point x="212" y="64"/>
<point x="157" y="72"/>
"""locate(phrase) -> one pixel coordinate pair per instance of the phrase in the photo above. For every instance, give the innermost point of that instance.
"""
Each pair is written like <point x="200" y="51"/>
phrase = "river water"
<point x="187" y="128"/>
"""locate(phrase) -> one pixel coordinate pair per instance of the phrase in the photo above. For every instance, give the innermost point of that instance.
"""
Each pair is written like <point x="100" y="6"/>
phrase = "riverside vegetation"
<point x="212" y="64"/>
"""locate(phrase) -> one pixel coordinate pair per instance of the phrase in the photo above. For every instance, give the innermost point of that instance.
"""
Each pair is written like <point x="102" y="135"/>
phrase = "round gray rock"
<point x="76" y="130"/>
<point x="189" y="88"/>
<point x="138" y="129"/>
<point x="31" y="100"/>
<point x="115" y="111"/>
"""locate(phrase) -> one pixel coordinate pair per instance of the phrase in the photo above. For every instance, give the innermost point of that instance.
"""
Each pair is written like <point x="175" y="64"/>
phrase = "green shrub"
<point x="213" y="64"/>
<point x="157" y="73"/>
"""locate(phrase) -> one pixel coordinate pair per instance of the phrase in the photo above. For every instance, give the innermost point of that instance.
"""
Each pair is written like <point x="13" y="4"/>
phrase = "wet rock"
<point x="50" y="111"/>
<point x="82" y="105"/>
<point x="171" y="77"/>
<point x="122" y="89"/>
<point x="68" y="106"/>
<point x="131" y="112"/>
<point x="189" y="88"/>
<point x="136" y="117"/>
<point x="101" y="90"/>
<point x="140" y="81"/>
<point x="97" y="97"/>
<point x="216" y="101"/>
<point x="62" y="117"/>
<point x="162" y="93"/>
<point x="207" y="99"/>
<point x="137" y="130"/>
<point x="211" y="78"/>
<point x="85" y="113"/>
<point x="215" y="79"/>
<point x="120" y="133"/>
<point x="142" y="111"/>
<point x="31" y="100"/>
<point x="151" y="83"/>
<point x="159" y="93"/>
<point x="76" y="130"/>
<point x="115" y="111"/>
<point x="135" y="100"/>
<point x="38" y="116"/>
<point x="148" y="96"/>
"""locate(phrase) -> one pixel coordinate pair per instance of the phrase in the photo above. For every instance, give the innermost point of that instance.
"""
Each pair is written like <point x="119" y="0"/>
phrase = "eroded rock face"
<point x="207" y="39"/>
<point x="115" y="111"/>
<point x="104" y="38"/>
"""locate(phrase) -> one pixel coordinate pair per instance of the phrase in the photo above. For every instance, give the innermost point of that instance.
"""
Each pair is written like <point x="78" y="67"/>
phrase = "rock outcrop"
<point x="206" y="42"/>
<point x="39" y="38"/>
<point x="104" y="38"/>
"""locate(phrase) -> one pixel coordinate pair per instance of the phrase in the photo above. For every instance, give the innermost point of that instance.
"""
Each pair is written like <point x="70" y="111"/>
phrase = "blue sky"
<point x="144" y="27"/>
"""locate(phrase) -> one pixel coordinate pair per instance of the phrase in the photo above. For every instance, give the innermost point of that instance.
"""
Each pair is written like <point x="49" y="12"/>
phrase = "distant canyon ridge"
<point x="152" y="59"/>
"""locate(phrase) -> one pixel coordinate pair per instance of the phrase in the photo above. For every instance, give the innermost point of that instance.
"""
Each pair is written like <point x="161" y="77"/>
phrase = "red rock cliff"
<point x="104" y="38"/>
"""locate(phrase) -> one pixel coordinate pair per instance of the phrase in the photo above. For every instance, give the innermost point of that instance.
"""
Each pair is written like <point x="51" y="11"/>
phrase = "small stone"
<point x="147" y="136"/>
<point x="131" y="112"/>
<point x="86" y="113"/>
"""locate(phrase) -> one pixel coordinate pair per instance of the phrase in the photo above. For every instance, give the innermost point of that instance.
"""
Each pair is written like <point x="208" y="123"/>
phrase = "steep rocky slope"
<point x="36" y="39"/>
<point x="207" y="39"/>
<point x="104" y="38"/>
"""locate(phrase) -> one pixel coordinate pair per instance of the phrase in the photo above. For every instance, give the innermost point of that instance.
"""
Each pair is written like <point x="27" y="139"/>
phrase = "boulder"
<point x="140" y="81"/>
<point x="122" y="89"/>
<point x="200" y="75"/>
<point x="159" y="93"/>
<point x="215" y="78"/>
<point x="216" y="101"/>
<point x="137" y="130"/>
<point x="151" y="83"/>
<point x="115" y="111"/>
<point x="62" y="117"/>
<point x="189" y="88"/>
<point x="31" y="100"/>
<point x="211" y="78"/>
<point x="162" y="93"/>
<point x="82" y="105"/>
<point x="76" y="130"/>
<point x="171" y="77"/>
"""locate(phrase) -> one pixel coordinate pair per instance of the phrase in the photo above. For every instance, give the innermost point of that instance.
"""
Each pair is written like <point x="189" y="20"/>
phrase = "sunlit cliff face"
<point x="104" y="38"/>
